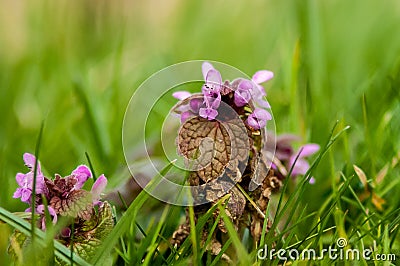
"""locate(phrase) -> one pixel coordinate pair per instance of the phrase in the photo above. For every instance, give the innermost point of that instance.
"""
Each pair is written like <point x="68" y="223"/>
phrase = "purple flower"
<point x="284" y="148"/>
<point x="262" y="76"/>
<point x="286" y="154"/>
<point x="40" y="210"/>
<point x="258" y="91"/>
<point x="181" y="95"/>
<point x="242" y="94"/>
<point x="188" y="110"/>
<point x="185" y="115"/>
<point x="258" y="118"/>
<point x="25" y="181"/>
<point x="98" y="188"/>
<point x="66" y="198"/>
<point x="208" y="113"/>
<point x="195" y="104"/>
<point x="30" y="161"/>
<point x="52" y="212"/>
<point x="301" y="166"/>
<point x="82" y="173"/>
<point x="205" y="68"/>
<point x="211" y="91"/>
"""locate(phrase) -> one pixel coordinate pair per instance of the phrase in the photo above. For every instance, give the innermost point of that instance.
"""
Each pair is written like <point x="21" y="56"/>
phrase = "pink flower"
<point x="195" y="105"/>
<point x="242" y="94"/>
<point x="284" y="147"/>
<point x="301" y="166"/>
<point x="205" y="68"/>
<point x="98" y="188"/>
<point x="262" y="76"/>
<point x="286" y="154"/>
<point x="82" y="173"/>
<point x="211" y="91"/>
<point x="208" y="113"/>
<point x="191" y="109"/>
<point x="181" y="95"/>
<point x="25" y="181"/>
<point x="185" y="115"/>
<point x="40" y="210"/>
<point x="52" y="212"/>
<point x="259" y="92"/>
<point x="258" y="119"/>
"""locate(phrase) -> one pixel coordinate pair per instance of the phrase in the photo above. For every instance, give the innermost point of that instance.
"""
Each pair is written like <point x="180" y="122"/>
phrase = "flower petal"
<point x="300" y="168"/>
<point x="262" y="76"/>
<point x="283" y="151"/>
<point x="82" y="170"/>
<point x="185" y="116"/>
<point x="261" y="90"/>
<point x="195" y="104"/>
<point x="245" y="85"/>
<point x="205" y="68"/>
<point x="262" y="103"/>
<point x="252" y="122"/>
<point x="262" y="114"/>
<point x="82" y="173"/>
<point x="258" y="119"/>
<point x="29" y="160"/>
<point x="17" y="193"/>
<point x="26" y="195"/>
<point x="20" y="179"/>
<point x="98" y="188"/>
<point x="308" y="149"/>
<point x="241" y="97"/>
<point x="40" y="209"/>
<point x="212" y="102"/>
<point x="181" y="95"/>
<point x="208" y="113"/>
<point x="214" y="78"/>
<point x="40" y="183"/>
<point x="53" y="213"/>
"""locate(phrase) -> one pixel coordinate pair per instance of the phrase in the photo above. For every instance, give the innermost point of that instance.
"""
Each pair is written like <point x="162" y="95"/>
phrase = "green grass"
<point x="75" y="65"/>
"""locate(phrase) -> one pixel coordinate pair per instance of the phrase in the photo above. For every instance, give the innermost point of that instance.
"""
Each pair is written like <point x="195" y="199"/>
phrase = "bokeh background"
<point x="75" y="64"/>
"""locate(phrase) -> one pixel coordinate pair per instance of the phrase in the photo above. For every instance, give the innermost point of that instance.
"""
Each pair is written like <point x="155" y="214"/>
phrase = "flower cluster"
<point x="64" y="195"/>
<point x="244" y="92"/>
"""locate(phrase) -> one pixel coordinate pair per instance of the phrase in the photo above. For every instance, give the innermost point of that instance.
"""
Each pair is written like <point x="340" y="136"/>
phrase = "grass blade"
<point x="23" y="226"/>
<point x="128" y="217"/>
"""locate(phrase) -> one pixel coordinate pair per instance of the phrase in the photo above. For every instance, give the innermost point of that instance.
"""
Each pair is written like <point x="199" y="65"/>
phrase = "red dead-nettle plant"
<point x="227" y="150"/>
<point x="87" y="219"/>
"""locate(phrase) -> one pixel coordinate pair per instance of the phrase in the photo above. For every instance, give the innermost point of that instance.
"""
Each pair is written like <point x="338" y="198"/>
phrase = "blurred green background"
<point x="75" y="64"/>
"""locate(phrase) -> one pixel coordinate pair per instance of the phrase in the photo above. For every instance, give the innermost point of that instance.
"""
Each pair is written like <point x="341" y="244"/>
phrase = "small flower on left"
<point x="25" y="181"/>
<point x="88" y="216"/>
